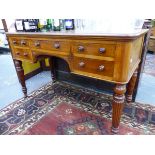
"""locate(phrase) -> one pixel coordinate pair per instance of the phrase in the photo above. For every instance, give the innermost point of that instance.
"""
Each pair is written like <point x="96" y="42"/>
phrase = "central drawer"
<point x="97" y="67"/>
<point x="54" y="45"/>
<point x="96" y="49"/>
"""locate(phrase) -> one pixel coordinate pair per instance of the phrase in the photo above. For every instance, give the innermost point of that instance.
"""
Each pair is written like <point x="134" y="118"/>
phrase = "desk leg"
<point x="21" y="77"/>
<point x="130" y="87"/>
<point x="52" y="67"/>
<point x="117" y="106"/>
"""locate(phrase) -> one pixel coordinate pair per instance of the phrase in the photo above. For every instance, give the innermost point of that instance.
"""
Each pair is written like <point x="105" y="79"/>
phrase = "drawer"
<point x="151" y="48"/>
<point x="100" y="67"/>
<point x="54" y="45"/>
<point x="152" y="42"/>
<point x="153" y="31"/>
<point x="20" y="42"/>
<point x="22" y="53"/>
<point x="106" y="50"/>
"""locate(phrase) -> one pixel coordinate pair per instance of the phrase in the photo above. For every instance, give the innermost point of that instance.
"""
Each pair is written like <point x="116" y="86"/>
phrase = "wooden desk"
<point x="110" y="57"/>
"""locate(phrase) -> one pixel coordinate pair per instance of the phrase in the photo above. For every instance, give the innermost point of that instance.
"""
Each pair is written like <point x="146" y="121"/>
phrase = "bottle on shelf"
<point x="19" y="25"/>
<point x="62" y="24"/>
<point x="49" y="24"/>
<point x="56" y="25"/>
<point x="69" y="24"/>
<point x="42" y="25"/>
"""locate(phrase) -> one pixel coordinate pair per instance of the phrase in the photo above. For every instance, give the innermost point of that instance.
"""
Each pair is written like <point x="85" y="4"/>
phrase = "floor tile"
<point x="10" y="89"/>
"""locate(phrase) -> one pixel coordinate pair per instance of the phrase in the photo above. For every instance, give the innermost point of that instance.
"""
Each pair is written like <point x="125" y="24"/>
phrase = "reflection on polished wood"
<point x="108" y="57"/>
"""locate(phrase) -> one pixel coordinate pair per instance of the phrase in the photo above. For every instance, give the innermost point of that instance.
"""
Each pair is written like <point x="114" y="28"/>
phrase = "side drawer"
<point x="23" y="54"/>
<point x="21" y="42"/>
<point x="152" y="42"/>
<point x="96" y="49"/>
<point x="97" y="67"/>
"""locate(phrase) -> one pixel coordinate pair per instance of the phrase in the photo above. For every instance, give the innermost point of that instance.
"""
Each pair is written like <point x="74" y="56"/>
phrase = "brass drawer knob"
<point x="17" y="53"/>
<point x="14" y="42"/>
<point x="37" y="44"/>
<point x="81" y="64"/>
<point x="57" y="45"/>
<point x="80" y="48"/>
<point x="25" y="54"/>
<point x="101" y="68"/>
<point x="23" y="42"/>
<point x="101" y="50"/>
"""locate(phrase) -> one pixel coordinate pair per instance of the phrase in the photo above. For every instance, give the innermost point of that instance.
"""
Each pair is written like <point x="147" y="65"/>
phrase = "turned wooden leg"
<point x="52" y="67"/>
<point x="21" y="77"/>
<point x="130" y="86"/>
<point x="117" y="106"/>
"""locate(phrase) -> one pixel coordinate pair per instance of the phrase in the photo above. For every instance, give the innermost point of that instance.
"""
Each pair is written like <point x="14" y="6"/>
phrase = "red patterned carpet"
<point x="63" y="109"/>
<point x="66" y="119"/>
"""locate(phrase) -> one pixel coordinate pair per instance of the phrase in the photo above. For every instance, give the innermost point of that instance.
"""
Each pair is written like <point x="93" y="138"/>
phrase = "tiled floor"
<point x="146" y="90"/>
<point x="149" y="67"/>
<point x="10" y="89"/>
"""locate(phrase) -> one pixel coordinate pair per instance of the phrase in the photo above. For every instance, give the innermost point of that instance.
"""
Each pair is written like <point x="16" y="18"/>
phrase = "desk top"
<point x="73" y="33"/>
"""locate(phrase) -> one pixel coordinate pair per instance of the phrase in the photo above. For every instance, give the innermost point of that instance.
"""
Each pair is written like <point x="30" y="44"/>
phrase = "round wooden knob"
<point x="37" y="44"/>
<point x="56" y="45"/>
<point x="25" y="54"/>
<point x="14" y="42"/>
<point x="81" y="64"/>
<point x="23" y="42"/>
<point x="17" y="53"/>
<point x="80" y="48"/>
<point x="101" y="50"/>
<point x="101" y="68"/>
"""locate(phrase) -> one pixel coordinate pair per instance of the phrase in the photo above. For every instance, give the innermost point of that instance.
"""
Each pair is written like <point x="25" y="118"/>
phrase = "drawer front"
<point x="152" y="42"/>
<point x="22" y="53"/>
<point x="106" y="50"/>
<point x="153" y="31"/>
<point x="94" y="66"/>
<point x="20" y="42"/>
<point x="54" y="45"/>
<point x="151" y="48"/>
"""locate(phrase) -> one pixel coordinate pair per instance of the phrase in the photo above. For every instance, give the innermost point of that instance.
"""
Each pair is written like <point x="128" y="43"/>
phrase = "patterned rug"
<point x="61" y="108"/>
